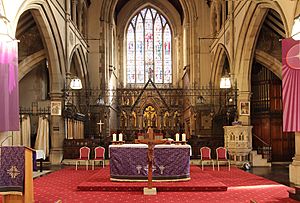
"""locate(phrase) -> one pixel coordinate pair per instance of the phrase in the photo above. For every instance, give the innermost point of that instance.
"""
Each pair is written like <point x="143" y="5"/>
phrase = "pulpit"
<point x="238" y="141"/>
<point x="16" y="182"/>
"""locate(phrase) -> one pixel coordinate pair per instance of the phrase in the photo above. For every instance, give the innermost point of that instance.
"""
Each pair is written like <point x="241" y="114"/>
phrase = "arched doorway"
<point x="266" y="111"/>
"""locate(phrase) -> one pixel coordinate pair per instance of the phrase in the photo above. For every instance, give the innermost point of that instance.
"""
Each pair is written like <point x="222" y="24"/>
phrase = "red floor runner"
<point x="200" y="181"/>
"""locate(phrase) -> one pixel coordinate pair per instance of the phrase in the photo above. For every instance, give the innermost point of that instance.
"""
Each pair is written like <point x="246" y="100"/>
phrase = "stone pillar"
<point x="243" y="96"/>
<point x="219" y="18"/>
<point x="74" y="12"/>
<point x="79" y="25"/>
<point x="295" y="166"/>
<point x="57" y="131"/>
<point x="68" y="7"/>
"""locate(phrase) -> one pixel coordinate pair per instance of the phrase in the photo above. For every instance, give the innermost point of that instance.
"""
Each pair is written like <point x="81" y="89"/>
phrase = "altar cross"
<point x="100" y="126"/>
<point x="150" y="155"/>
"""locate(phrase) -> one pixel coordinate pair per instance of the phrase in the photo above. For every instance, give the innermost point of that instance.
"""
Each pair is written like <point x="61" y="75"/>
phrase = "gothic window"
<point x="149" y="45"/>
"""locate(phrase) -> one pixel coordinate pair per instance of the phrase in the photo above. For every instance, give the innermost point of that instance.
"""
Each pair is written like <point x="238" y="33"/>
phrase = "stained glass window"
<point x="149" y="48"/>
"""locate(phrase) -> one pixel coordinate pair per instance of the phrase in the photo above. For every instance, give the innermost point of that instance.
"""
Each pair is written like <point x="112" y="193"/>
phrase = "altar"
<point x="128" y="162"/>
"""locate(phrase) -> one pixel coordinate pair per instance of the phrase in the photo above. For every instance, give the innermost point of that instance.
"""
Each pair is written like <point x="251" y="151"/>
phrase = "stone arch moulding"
<point x="270" y="62"/>
<point x="46" y="22"/>
<point x="248" y="35"/>
<point x="28" y="64"/>
<point x="217" y="67"/>
<point x="166" y="9"/>
<point x="108" y="9"/>
<point x="79" y="56"/>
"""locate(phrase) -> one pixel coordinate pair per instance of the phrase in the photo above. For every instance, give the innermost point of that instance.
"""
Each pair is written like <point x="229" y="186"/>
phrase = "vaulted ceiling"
<point x="175" y="3"/>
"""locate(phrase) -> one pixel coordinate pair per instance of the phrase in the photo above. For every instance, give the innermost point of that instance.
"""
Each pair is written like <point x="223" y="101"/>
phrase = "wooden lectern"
<point x="10" y="194"/>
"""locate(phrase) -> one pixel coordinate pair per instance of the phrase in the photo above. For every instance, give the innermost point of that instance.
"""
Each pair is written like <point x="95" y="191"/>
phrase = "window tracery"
<point x="149" y="48"/>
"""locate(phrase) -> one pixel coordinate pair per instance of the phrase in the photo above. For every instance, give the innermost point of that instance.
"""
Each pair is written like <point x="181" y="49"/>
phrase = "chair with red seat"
<point x="222" y="157"/>
<point x="99" y="156"/>
<point x="84" y="155"/>
<point x="206" y="156"/>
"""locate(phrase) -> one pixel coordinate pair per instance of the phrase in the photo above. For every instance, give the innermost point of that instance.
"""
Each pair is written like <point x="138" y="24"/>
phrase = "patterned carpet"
<point x="200" y="181"/>
<point x="242" y="187"/>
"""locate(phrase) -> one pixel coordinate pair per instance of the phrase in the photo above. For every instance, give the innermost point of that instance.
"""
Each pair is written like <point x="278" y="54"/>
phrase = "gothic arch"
<point x="45" y="20"/>
<point x="108" y="9"/>
<point x="166" y="9"/>
<point x="126" y="14"/>
<point x="247" y="40"/>
<point x="183" y="42"/>
<point x="81" y="65"/>
<point x="218" y="63"/>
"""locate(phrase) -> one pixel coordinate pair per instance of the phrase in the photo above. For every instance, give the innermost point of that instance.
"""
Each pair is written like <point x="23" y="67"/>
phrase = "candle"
<point x="114" y="137"/>
<point x="177" y="137"/>
<point x="120" y="137"/>
<point x="183" y="137"/>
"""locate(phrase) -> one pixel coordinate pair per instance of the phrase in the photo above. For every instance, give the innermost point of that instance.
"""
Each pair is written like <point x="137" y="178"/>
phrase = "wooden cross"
<point x="151" y="143"/>
<point x="100" y="125"/>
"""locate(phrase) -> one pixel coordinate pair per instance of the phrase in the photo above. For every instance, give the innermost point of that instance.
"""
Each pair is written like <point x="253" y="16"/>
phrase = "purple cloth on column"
<point x="9" y="87"/>
<point x="12" y="168"/>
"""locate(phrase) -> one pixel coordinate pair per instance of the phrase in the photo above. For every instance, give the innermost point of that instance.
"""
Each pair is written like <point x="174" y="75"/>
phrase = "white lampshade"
<point x="76" y="84"/>
<point x="296" y="29"/>
<point x="225" y="82"/>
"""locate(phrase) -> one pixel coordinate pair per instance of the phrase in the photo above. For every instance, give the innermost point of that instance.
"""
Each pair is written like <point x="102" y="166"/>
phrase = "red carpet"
<point x="200" y="181"/>
<point x="243" y="187"/>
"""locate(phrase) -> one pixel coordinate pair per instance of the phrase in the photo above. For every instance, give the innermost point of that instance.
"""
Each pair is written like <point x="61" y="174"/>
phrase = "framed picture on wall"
<point x="245" y="108"/>
<point x="55" y="108"/>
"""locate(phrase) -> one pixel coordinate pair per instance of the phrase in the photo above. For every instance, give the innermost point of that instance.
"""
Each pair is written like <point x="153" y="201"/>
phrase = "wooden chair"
<point x="222" y="157"/>
<point x="206" y="156"/>
<point x="99" y="156"/>
<point x="84" y="155"/>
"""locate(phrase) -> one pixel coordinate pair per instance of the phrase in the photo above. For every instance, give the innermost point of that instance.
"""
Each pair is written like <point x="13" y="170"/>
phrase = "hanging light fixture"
<point x="225" y="82"/>
<point x="296" y="29"/>
<point x="76" y="84"/>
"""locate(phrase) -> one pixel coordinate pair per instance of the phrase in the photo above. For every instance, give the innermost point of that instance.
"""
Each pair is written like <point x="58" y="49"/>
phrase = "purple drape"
<point x="291" y="85"/>
<point x="9" y="91"/>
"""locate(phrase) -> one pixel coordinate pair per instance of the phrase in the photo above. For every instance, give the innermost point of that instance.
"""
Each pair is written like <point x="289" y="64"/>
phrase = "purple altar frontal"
<point x="128" y="162"/>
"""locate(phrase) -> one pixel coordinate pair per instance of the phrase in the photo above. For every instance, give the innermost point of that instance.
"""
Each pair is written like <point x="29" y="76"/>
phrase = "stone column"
<point x="295" y="166"/>
<point x="79" y="25"/>
<point x="74" y="12"/>
<point x="243" y="96"/>
<point x="219" y="18"/>
<point x="186" y="49"/>
<point x="57" y="131"/>
<point x="68" y="7"/>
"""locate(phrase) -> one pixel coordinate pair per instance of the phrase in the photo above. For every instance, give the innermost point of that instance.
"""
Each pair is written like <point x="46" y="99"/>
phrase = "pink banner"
<point x="291" y="85"/>
<point x="9" y="91"/>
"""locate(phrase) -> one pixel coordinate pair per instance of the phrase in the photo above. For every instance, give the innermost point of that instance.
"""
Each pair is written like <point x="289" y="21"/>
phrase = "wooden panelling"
<point x="266" y="115"/>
